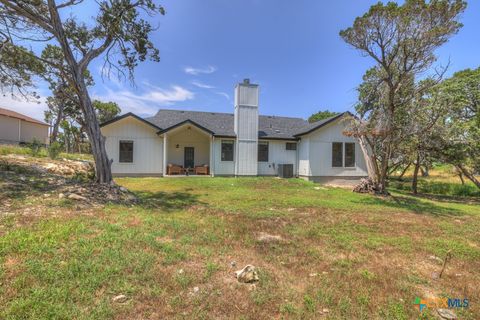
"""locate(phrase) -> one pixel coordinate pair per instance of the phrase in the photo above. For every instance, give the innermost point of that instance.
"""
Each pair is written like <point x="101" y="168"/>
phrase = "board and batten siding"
<point x="246" y="129"/>
<point x="222" y="168"/>
<point x="192" y="137"/>
<point x="303" y="157"/>
<point x="147" y="147"/>
<point x="316" y="153"/>
<point x="277" y="154"/>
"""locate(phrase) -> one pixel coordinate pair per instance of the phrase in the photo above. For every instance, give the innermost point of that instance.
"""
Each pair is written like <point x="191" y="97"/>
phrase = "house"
<point x="18" y="128"/>
<point x="242" y="143"/>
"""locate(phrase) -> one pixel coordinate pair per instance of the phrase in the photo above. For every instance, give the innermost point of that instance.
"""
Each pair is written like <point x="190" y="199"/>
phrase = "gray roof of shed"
<point x="221" y="124"/>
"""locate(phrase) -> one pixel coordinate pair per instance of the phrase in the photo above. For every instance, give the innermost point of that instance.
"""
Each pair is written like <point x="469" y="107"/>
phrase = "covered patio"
<point x="187" y="150"/>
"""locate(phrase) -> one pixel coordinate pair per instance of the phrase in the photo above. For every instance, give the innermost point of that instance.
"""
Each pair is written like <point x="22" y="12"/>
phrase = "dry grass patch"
<point x="324" y="253"/>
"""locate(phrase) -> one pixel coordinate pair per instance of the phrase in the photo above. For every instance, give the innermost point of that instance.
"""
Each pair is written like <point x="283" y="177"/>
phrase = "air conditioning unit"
<point x="285" y="170"/>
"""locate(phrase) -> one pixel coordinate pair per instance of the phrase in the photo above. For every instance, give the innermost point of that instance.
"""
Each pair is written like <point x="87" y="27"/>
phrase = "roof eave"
<point x="129" y="114"/>
<point x="162" y="131"/>
<point x="324" y="123"/>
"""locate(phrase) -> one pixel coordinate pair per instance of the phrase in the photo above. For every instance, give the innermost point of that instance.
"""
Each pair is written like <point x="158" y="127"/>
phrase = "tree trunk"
<point x="400" y="177"/>
<point x="469" y="175"/>
<point x="103" y="173"/>
<point x="460" y="175"/>
<point x="415" y="175"/>
<point x="394" y="168"/>
<point x="424" y="171"/>
<point x="54" y="135"/>
<point x="382" y="184"/>
<point x="372" y="168"/>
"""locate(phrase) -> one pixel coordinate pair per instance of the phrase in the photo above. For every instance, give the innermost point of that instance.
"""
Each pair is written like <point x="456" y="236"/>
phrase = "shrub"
<point x="5" y="165"/>
<point x="54" y="150"/>
<point x="35" y="147"/>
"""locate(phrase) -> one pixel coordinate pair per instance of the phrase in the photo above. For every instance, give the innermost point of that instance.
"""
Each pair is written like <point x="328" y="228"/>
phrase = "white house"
<point x="242" y="143"/>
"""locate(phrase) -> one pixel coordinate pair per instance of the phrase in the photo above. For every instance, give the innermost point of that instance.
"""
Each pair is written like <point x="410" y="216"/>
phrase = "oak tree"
<point x="119" y="32"/>
<point x="401" y="40"/>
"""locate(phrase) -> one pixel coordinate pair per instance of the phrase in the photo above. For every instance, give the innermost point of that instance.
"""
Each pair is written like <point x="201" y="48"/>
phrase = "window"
<point x="341" y="150"/>
<point x="291" y="146"/>
<point x="126" y="152"/>
<point x="262" y="151"/>
<point x="227" y="150"/>
<point x="337" y="154"/>
<point x="349" y="154"/>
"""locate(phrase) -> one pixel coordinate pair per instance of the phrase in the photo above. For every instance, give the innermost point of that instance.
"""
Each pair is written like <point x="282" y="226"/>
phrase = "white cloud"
<point x="202" y="85"/>
<point x="223" y="94"/>
<point x="31" y="107"/>
<point x="148" y="102"/>
<point x="197" y="71"/>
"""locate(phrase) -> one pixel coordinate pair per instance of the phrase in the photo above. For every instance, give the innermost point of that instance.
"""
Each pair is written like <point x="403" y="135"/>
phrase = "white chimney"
<point x="246" y="128"/>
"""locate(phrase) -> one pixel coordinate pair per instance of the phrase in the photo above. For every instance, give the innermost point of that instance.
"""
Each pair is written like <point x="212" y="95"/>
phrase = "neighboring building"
<point x="238" y="144"/>
<point x="18" y="128"/>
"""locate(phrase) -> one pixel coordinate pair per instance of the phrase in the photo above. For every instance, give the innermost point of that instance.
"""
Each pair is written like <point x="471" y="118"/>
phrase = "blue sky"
<point x="291" y="49"/>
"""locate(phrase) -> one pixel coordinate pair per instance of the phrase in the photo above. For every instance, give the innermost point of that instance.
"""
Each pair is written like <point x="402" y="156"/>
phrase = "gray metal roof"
<point x="221" y="124"/>
<point x="318" y="124"/>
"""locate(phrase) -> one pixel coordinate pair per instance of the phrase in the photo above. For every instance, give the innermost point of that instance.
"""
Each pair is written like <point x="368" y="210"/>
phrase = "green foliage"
<point x="35" y="147"/>
<point x="118" y="31"/>
<point x="457" y="141"/>
<point x="54" y="150"/>
<point x="18" y="66"/>
<point x="309" y="303"/>
<point x="5" y="165"/>
<point x="394" y="311"/>
<point x="432" y="187"/>
<point x="106" y="110"/>
<point x="321" y="115"/>
<point x="401" y="40"/>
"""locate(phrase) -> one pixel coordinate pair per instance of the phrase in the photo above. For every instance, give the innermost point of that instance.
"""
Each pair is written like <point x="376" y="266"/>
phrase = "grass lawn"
<point x="341" y="255"/>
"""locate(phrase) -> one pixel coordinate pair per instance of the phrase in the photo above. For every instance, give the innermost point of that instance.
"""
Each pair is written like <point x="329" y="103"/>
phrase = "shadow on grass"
<point x="168" y="201"/>
<point x="444" y="198"/>
<point x="409" y="203"/>
<point x="19" y="182"/>
<point x="438" y="188"/>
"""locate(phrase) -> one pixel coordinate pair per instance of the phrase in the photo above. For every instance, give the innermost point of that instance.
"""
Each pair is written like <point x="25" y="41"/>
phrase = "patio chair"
<point x="174" y="169"/>
<point x="201" y="169"/>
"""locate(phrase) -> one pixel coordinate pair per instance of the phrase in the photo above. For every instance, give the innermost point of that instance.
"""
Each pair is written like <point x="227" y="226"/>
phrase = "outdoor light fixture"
<point x="177" y="146"/>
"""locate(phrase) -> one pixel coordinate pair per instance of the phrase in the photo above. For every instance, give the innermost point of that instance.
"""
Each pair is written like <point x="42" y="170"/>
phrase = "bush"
<point x="35" y="147"/>
<point x="54" y="150"/>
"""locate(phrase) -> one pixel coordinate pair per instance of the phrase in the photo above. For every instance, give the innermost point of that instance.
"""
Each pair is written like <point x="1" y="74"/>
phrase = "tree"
<point x="106" y="110"/>
<point x="64" y="103"/>
<point x="402" y="40"/>
<point x="17" y="66"/>
<point x="457" y="141"/>
<point x="427" y="118"/>
<point x="118" y="32"/>
<point x="321" y="115"/>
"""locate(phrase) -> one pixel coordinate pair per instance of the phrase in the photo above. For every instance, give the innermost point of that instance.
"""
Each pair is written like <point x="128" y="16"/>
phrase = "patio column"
<point x="165" y="154"/>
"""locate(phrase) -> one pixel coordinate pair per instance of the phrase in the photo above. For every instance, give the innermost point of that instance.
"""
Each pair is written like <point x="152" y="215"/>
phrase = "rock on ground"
<point x="120" y="298"/>
<point x="248" y="274"/>
<point x="77" y="197"/>
<point x="447" y="314"/>
<point x="267" y="238"/>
